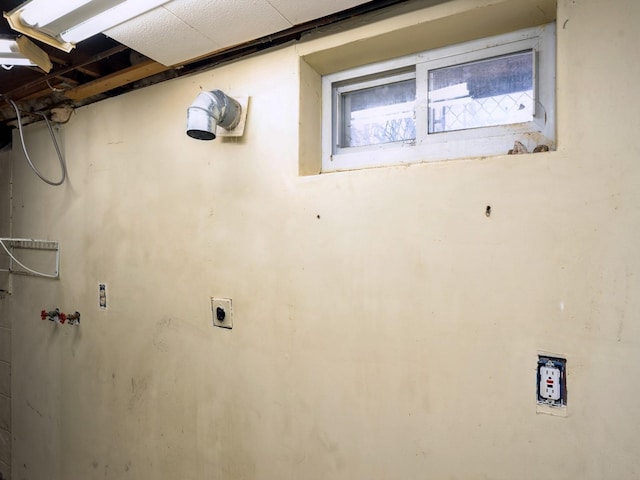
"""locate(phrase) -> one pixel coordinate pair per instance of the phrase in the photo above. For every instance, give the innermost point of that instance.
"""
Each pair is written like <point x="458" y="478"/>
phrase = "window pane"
<point x="378" y="115"/>
<point x="495" y="91"/>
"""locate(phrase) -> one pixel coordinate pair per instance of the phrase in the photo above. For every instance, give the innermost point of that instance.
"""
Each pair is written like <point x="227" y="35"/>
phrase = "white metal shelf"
<point x="11" y="244"/>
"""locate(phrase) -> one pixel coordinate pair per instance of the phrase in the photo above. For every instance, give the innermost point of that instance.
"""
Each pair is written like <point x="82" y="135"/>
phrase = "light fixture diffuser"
<point x="39" y="13"/>
<point x="108" y="19"/>
<point x="62" y="24"/>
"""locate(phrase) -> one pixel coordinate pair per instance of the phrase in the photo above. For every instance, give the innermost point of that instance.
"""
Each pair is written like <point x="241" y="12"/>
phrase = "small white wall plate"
<point x="222" y="312"/>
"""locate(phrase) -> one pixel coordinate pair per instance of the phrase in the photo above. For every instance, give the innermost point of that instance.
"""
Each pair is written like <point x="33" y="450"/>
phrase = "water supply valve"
<point x="60" y="317"/>
<point x="52" y="315"/>
<point x="73" y="318"/>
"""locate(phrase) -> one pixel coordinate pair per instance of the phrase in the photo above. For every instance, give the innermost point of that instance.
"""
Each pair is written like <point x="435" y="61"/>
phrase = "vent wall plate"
<point x="238" y="131"/>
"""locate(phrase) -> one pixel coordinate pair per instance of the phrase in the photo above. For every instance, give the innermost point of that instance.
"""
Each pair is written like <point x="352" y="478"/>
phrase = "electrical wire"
<point x="63" y="165"/>
<point x="54" y="89"/>
<point x="48" y="275"/>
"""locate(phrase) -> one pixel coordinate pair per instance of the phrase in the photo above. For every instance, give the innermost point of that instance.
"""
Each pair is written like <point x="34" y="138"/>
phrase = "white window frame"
<point x="472" y="142"/>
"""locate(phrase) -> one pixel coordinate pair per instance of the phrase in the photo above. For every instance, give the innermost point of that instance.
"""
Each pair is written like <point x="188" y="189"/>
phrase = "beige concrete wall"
<point x="5" y="326"/>
<point x="384" y="327"/>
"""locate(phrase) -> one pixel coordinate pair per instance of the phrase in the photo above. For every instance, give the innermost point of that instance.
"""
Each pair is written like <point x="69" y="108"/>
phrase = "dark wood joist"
<point x="115" y="80"/>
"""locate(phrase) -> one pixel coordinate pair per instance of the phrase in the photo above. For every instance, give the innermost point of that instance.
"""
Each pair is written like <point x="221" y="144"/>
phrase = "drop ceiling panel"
<point x="163" y="37"/>
<point x="182" y="30"/>
<point x="230" y="23"/>
<point x="297" y="11"/>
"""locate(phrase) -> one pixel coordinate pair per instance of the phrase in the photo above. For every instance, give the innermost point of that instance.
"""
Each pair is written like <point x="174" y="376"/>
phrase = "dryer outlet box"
<point x="222" y="312"/>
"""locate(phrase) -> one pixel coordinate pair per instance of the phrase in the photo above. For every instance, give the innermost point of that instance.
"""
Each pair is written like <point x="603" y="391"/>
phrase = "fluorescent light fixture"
<point x="62" y="24"/>
<point x="24" y="52"/>
<point x="109" y="18"/>
<point x="39" y="13"/>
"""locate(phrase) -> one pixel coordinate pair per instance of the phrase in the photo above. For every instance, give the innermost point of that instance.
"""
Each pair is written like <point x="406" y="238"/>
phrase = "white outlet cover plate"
<point x="226" y="305"/>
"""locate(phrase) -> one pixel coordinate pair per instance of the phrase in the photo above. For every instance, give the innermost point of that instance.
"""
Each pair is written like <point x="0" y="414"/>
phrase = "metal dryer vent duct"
<point x="210" y="110"/>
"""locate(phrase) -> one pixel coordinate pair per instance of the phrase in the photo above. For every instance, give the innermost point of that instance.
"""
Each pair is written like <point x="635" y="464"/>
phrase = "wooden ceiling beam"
<point x="115" y="80"/>
<point x="87" y="70"/>
<point x="18" y="92"/>
<point x="39" y="94"/>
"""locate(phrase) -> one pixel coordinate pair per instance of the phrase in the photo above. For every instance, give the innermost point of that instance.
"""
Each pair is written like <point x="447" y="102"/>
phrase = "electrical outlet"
<point x="551" y="381"/>
<point x="222" y="313"/>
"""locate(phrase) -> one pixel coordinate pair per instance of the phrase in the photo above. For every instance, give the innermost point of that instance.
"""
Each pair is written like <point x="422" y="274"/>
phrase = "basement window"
<point x="473" y="99"/>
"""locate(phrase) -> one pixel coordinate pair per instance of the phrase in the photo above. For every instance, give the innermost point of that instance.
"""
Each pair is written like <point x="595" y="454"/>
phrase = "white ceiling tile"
<point x="182" y="30"/>
<point x="162" y="36"/>
<point x="230" y="22"/>
<point x="300" y="11"/>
